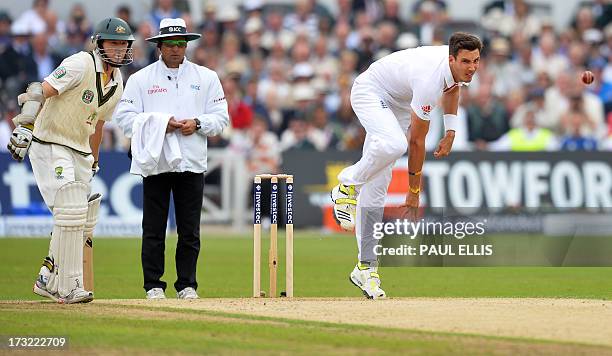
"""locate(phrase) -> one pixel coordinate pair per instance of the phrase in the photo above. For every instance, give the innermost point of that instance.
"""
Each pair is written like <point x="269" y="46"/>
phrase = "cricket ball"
<point x="587" y="77"/>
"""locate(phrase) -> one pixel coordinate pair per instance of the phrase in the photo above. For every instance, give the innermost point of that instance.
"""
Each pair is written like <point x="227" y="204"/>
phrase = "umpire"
<point x="188" y="101"/>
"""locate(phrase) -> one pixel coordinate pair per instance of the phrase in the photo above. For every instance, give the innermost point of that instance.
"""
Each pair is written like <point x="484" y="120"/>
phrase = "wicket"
<point x="273" y="252"/>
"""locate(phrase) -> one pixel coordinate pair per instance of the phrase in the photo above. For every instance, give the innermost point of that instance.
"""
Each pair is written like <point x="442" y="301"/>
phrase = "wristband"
<point x="414" y="190"/>
<point x="415" y="174"/>
<point x="451" y="122"/>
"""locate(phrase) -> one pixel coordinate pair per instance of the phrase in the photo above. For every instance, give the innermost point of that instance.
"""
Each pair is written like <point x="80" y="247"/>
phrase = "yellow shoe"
<point x="367" y="279"/>
<point x="345" y="202"/>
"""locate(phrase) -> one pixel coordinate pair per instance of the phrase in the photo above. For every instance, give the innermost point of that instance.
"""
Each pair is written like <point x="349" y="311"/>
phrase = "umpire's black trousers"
<point x="187" y="190"/>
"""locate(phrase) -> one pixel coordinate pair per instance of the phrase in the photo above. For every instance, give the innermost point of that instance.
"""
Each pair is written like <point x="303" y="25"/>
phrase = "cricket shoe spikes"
<point x="367" y="279"/>
<point x="345" y="203"/>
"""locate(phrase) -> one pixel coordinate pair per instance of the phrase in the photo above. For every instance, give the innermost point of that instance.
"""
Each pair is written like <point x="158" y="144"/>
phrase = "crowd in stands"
<point x="287" y="69"/>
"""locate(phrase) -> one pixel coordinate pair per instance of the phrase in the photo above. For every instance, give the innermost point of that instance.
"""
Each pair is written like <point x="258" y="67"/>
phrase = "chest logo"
<point x="156" y="89"/>
<point x="195" y="87"/>
<point x="88" y="96"/>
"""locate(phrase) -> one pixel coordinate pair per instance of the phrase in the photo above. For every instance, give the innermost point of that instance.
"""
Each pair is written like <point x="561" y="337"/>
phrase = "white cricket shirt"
<point x="416" y="75"/>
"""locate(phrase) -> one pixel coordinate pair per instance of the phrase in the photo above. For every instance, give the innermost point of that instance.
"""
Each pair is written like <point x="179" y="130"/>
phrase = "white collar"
<point x="448" y="74"/>
<point x="449" y="81"/>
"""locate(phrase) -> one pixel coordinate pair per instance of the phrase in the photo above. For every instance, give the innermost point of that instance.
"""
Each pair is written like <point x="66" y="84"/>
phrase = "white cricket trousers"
<point x="386" y="124"/>
<point x="56" y="165"/>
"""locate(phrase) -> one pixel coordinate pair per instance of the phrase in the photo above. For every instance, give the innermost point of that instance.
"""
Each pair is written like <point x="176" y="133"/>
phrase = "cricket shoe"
<point x="78" y="295"/>
<point x="40" y="286"/>
<point x="345" y="202"/>
<point x="187" y="293"/>
<point x="367" y="279"/>
<point x="156" y="293"/>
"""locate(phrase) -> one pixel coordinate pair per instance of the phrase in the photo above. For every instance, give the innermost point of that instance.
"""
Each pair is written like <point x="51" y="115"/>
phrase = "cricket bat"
<point x="88" y="271"/>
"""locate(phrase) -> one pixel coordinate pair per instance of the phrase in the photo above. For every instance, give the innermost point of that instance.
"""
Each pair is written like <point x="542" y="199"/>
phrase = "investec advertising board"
<point x="517" y="189"/>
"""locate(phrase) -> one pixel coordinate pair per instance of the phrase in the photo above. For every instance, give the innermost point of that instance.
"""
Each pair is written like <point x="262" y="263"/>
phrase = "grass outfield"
<point x="321" y="269"/>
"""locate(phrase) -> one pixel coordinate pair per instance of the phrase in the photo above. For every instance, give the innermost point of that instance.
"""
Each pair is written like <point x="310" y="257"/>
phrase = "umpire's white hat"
<point x="171" y="28"/>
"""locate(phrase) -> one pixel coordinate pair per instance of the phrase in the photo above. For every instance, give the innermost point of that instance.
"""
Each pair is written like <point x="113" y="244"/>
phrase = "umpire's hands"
<point x="20" y="142"/>
<point x="189" y="126"/>
<point x="173" y="125"/>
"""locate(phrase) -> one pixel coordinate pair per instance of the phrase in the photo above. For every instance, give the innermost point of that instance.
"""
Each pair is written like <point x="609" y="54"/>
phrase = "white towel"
<point x="153" y="151"/>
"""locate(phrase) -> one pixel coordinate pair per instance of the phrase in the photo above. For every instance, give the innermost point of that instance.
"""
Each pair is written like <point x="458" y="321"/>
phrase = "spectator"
<point x="228" y="18"/>
<point x="428" y="19"/>
<point x="230" y="54"/>
<point x="5" y="30"/>
<point x="339" y="42"/>
<point x="391" y="14"/>
<point x="487" y="118"/>
<point x="325" y="65"/>
<point x="569" y="94"/>
<point x="263" y="155"/>
<point x="576" y="140"/>
<point x="584" y="21"/>
<point x="373" y="9"/>
<point x="18" y="66"/>
<point x="275" y="33"/>
<point x="303" y="20"/>
<point x="124" y="12"/>
<point x="163" y="9"/>
<point x="253" y="101"/>
<point x="78" y="23"/>
<point x="505" y="73"/>
<point x="386" y="36"/>
<point x="345" y="11"/>
<point x="569" y="120"/>
<point x="546" y="59"/>
<point x="536" y="104"/>
<point x="522" y="62"/>
<point x="322" y="134"/>
<point x="46" y="62"/>
<point x="296" y="136"/>
<point x="253" y="9"/>
<point x="240" y="113"/>
<point x="520" y="19"/>
<point x="209" y="18"/>
<point x="276" y="79"/>
<point x="253" y="30"/>
<point x="530" y="137"/>
<point x="276" y="119"/>
<point x="34" y="20"/>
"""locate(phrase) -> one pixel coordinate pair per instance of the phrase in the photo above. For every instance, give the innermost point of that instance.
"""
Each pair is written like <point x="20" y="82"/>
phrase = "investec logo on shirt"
<point x="257" y="204"/>
<point x="156" y="89"/>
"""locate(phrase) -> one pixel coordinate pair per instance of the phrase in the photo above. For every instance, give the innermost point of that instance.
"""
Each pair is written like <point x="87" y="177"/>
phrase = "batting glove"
<point x="20" y="142"/>
<point x="95" y="168"/>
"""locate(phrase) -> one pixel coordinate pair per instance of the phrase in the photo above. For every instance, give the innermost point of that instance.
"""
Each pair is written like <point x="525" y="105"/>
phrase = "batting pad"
<point x="70" y="215"/>
<point x="93" y="208"/>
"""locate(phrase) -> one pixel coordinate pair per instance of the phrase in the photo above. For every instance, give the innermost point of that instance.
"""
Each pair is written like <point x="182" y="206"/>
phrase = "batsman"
<point x="60" y="129"/>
